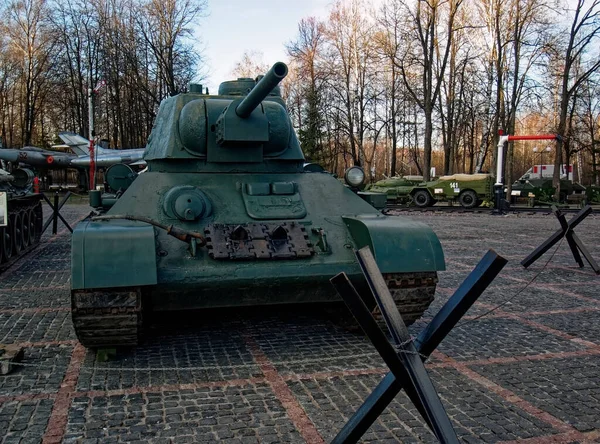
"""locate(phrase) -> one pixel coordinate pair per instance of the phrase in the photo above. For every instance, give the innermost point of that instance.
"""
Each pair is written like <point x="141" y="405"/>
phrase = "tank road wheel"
<point x="468" y="199"/>
<point x="36" y="222"/>
<point x="25" y="229"/>
<point x="413" y="293"/>
<point x="33" y="234"/>
<point x="17" y="234"/>
<point x="422" y="198"/>
<point x="107" y="317"/>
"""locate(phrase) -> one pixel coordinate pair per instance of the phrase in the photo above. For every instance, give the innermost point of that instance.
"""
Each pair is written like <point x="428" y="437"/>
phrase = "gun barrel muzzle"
<point x="262" y="89"/>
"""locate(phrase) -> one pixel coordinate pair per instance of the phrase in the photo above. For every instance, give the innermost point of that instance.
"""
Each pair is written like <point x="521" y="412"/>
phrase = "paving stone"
<point x="525" y="299"/>
<point x="36" y="327"/>
<point x="474" y="411"/>
<point x="585" y="289"/>
<point x="24" y="421"/>
<point x="569" y="389"/>
<point x="305" y="341"/>
<point x="585" y="325"/>
<point x="500" y="337"/>
<point x="43" y="371"/>
<point x="261" y="415"/>
<point x="55" y="250"/>
<point x="35" y="298"/>
<point x="458" y="272"/>
<point x="290" y="339"/>
<point x="33" y="264"/>
<point x="558" y="276"/>
<point x="214" y="346"/>
<point x="37" y="279"/>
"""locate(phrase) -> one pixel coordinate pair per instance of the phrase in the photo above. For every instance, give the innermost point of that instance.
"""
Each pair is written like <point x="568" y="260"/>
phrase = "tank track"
<point x="31" y="206"/>
<point x="111" y="318"/>
<point x="412" y="292"/>
<point x="107" y="318"/>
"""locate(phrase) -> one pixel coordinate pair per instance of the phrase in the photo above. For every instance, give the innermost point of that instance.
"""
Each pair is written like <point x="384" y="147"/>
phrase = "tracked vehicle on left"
<point x="20" y="215"/>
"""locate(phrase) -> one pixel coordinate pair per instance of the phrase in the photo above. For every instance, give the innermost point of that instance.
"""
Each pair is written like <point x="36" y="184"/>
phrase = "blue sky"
<point x="233" y="27"/>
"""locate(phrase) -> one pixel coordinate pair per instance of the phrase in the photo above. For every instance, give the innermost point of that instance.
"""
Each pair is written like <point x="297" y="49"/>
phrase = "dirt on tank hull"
<point x="20" y="216"/>
<point x="227" y="216"/>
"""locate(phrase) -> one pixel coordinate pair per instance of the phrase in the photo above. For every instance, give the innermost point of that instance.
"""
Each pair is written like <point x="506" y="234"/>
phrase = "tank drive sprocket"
<point x="107" y="318"/>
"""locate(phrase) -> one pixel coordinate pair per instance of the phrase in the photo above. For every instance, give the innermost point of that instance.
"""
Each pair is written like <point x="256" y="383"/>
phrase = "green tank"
<point x="227" y="215"/>
<point x="20" y="215"/>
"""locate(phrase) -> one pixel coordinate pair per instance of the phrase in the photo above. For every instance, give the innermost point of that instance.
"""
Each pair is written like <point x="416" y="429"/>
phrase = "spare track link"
<point x="412" y="292"/>
<point x="107" y="317"/>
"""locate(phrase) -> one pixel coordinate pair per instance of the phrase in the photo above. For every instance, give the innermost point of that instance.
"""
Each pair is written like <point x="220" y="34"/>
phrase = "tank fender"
<point x="109" y="254"/>
<point x="399" y="245"/>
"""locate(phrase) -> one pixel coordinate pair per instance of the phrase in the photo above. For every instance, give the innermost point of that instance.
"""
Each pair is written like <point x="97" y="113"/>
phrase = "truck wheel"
<point x="422" y="198"/>
<point x="468" y="199"/>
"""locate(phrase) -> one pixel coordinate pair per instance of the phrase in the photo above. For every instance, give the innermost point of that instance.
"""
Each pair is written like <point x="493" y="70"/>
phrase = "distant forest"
<point x="53" y="51"/>
<point x="397" y="89"/>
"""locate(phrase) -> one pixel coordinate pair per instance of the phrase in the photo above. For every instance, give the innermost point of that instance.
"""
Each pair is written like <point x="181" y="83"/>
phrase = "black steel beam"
<point x="569" y="235"/>
<point x="566" y="231"/>
<point x="586" y="254"/>
<point x="56" y="212"/>
<point x="428" y="340"/>
<point x="369" y="325"/>
<point x="408" y="354"/>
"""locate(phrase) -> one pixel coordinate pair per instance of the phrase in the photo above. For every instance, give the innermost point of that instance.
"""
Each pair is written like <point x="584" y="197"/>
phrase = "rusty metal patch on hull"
<point x="285" y="240"/>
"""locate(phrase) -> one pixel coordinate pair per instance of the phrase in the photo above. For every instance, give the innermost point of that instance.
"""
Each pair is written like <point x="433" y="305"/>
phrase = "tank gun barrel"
<point x="262" y="89"/>
<point x="6" y="177"/>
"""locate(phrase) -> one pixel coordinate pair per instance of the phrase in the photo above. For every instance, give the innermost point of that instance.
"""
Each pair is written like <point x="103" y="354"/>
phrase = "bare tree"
<point x="428" y="57"/>
<point x="351" y="57"/>
<point x="164" y="25"/>
<point x="251" y="65"/>
<point x="32" y="40"/>
<point x="307" y="53"/>
<point x="578" y="67"/>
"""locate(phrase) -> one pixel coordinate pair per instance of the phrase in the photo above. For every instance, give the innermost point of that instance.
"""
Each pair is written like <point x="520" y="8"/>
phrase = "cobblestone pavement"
<point x="529" y="370"/>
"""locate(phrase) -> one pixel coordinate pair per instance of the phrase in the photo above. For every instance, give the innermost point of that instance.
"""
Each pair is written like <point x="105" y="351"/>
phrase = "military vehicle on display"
<point x="536" y="184"/>
<point x="117" y="179"/>
<point x="20" y="215"/>
<point x="398" y="188"/>
<point x="592" y="194"/>
<point x="227" y="215"/>
<point x="469" y="190"/>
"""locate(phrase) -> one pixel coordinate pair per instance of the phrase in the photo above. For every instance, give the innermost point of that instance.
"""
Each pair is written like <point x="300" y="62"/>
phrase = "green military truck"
<point x="397" y="188"/>
<point x="469" y="190"/>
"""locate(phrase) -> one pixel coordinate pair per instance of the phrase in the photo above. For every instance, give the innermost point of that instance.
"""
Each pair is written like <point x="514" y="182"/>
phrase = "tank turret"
<point x="247" y="125"/>
<point x="227" y="215"/>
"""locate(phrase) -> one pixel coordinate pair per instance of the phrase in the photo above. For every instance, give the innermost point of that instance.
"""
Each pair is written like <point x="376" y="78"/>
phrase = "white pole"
<point x="500" y="160"/>
<point x="91" y="114"/>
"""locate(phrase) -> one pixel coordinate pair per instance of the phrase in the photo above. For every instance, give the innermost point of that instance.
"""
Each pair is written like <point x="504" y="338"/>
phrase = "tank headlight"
<point x="355" y="176"/>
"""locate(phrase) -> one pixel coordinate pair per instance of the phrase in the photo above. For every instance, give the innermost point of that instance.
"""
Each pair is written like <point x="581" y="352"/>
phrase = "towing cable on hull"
<point x="193" y="238"/>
